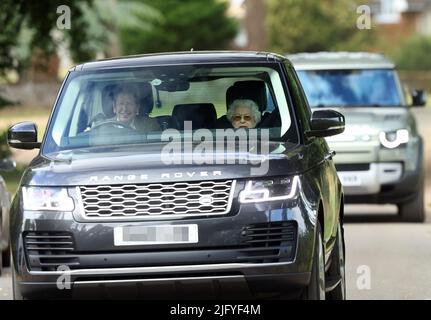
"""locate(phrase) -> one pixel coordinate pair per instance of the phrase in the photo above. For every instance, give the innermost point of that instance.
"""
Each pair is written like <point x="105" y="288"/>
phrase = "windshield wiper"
<point x="321" y="105"/>
<point x="352" y="105"/>
<point x="370" y="105"/>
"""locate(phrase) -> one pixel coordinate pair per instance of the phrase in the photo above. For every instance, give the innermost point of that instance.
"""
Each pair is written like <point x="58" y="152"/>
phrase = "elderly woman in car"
<point x="243" y="113"/>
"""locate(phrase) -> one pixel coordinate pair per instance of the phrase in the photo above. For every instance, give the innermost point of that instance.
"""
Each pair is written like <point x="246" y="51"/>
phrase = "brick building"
<point x="397" y="20"/>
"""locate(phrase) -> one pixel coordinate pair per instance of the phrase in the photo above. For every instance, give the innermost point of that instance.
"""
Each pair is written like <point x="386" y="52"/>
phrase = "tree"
<point x="38" y="20"/>
<point x="11" y="22"/>
<point x="185" y="24"/>
<point x="310" y="26"/>
<point x="106" y="17"/>
<point x="255" y="24"/>
<point x="29" y="25"/>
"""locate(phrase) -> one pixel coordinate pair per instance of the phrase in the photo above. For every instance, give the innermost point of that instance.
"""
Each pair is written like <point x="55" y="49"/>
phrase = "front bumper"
<point x="401" y="191"/>
<point x="220" y="261"/>
<point x="242" y="282"/>
<point x="391" y="175"/>
<point x="370" y="181"/>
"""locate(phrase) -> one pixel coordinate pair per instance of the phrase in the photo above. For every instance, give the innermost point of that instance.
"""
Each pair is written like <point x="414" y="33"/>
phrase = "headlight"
<point x="47" y="198"/>
<point x="269" y="190"/>
<point x="394" y="139"/>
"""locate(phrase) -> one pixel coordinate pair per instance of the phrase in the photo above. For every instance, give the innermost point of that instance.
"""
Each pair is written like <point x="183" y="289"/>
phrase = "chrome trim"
<point x="241" y="277"/>
<point x="160" y="269"/>
<point x="82" y="217"/>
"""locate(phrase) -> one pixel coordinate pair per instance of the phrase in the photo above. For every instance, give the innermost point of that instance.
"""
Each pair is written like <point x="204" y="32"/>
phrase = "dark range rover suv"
<point x="147" y="187"/>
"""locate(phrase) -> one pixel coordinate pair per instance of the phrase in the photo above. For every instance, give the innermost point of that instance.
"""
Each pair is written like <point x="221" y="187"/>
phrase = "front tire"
<point x="414" y="210"/>
<point x="6" y="257"/>
<point x="316" y="288"/>
<point x="15" y="289"/>
<point x="338" y="268"/>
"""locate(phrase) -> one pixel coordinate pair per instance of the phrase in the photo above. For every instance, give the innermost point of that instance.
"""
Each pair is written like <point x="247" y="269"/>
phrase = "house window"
<point x="389" y="11"/>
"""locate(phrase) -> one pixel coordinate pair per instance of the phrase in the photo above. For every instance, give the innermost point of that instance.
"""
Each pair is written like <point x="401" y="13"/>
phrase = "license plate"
<point x="349" y="179"/>
<point x="155" y="235"/>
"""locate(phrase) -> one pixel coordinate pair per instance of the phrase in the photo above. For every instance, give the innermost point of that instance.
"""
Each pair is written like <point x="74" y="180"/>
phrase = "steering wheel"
<point x="112" y="123"/>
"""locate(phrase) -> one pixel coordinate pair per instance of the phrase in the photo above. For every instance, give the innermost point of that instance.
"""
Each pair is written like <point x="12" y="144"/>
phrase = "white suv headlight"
<point x="269" y="190"/>
<point x="394" y="139"/>
<point x="47" y="198"/>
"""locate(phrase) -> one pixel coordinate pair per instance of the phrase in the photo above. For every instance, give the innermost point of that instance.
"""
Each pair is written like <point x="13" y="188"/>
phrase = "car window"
<point x="135" y="106"/>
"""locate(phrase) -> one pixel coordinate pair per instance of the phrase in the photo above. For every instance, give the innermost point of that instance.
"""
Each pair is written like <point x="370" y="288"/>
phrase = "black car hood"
<point x="122" y="165"/>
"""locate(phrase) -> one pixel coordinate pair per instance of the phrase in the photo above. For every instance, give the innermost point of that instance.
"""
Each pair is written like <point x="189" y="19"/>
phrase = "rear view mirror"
<point x="7" y="165"/>
<point x="325" y="123"/>
<point x="419" y="98"/>
<point x="23" y="135"/>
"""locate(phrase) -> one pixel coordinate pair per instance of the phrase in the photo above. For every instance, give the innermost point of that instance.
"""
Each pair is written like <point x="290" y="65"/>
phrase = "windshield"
<point x="147" y="105"/>
<point x="350" y="87"/>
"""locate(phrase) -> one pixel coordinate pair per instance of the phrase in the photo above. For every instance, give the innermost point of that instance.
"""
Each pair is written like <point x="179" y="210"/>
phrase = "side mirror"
<point x="419" y="98"/>
<point x="7" y="165"/>
<point x="23" y="135"/>
<point x="326" y="123"/>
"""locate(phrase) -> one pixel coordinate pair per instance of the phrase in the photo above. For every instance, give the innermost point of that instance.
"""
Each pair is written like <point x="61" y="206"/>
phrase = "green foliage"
<point x="106" y="17"/>
<point x="20" y="16"/>
<point x="27" y="25"/>
<point x="11" y="21"/>
<point x="4" y="148"/>
<point x="185" y="24"/>
<point x="310" y="26"/>
<point x="414" y="54"/>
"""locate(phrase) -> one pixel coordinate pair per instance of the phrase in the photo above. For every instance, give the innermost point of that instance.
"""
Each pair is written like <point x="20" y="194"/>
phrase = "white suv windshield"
<point x="350" y="88"/>
<point x="136" y="106"/>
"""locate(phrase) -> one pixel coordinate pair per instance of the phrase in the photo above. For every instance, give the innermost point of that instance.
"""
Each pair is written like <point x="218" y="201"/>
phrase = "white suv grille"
<point x="156" y="199"/>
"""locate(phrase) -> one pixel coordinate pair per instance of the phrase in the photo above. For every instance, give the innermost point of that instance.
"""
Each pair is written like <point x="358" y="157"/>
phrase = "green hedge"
<point x="414" y="54"/>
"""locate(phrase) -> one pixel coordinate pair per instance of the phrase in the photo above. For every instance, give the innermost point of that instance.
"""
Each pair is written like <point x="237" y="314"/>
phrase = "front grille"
<point x="46" y="251"/>
<point x="149" y="200"/>
<point x="353" y="167"/>
<point x="269" y="242"/>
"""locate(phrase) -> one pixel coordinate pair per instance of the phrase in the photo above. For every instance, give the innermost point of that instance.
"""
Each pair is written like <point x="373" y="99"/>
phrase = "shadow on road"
<point x="376" y="214"/>
<point x="380" y="217"/>
<point x="372" y="218"/>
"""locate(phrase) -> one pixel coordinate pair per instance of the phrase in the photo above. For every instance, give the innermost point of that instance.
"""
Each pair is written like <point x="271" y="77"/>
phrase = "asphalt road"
<point x="385" y="258"/>
<point x="6" y="285"/>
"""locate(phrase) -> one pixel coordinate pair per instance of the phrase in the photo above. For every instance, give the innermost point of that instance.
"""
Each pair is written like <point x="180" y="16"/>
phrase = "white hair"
<point x="254" y="109"/>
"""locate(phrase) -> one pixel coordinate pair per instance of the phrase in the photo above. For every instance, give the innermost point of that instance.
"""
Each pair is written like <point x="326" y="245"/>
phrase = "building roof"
<point x="339" y="60"/>
<point x="189" y="57"/>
